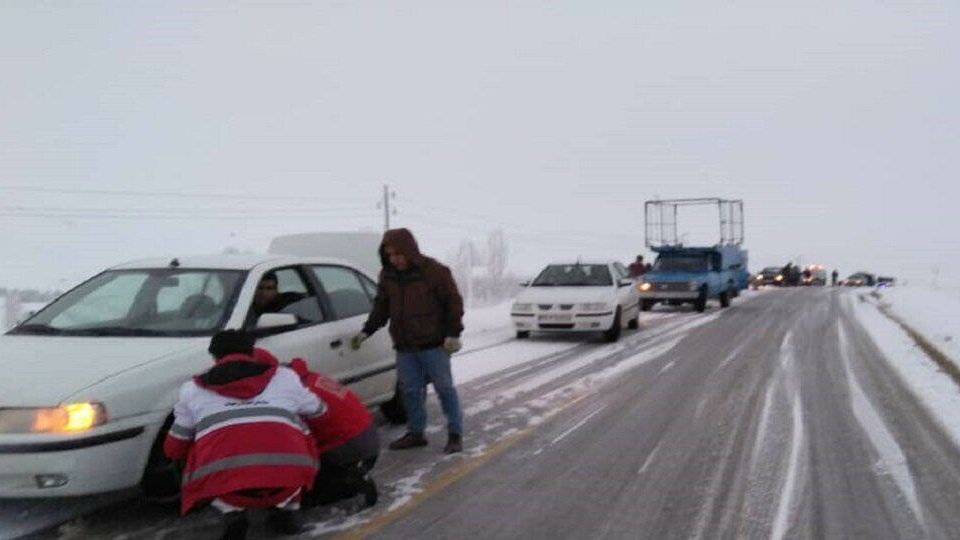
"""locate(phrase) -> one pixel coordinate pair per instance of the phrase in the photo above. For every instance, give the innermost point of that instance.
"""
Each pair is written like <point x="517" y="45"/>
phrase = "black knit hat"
<point x="230" y="342"/>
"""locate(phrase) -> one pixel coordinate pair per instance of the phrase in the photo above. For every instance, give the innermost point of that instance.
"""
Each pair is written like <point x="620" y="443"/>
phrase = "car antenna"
<point x="175" y="263"/>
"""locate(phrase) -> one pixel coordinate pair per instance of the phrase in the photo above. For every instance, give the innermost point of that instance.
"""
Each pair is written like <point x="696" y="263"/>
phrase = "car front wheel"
<point x="613" y="334"/>
<point x="700" y="304"/>
<point x="161" y="477"/>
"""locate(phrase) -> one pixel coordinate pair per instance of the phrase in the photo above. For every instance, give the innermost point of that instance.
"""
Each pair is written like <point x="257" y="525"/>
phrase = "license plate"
<point x="556" y="318"/>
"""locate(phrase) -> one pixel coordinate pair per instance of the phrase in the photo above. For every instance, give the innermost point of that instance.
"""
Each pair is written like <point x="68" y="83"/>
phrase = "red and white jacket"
<point x="239" y="428"/>
<point x="346" y="416"/>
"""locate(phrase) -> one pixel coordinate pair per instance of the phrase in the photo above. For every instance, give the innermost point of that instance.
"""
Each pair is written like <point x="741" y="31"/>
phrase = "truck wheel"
<point x="645" y="305"/>
<point x="523" y="334"/>
<point x="700" y="304"/>
<point x="613" y="334"/>
<point x="725" y="299"/>
<point x="394" y="410"/>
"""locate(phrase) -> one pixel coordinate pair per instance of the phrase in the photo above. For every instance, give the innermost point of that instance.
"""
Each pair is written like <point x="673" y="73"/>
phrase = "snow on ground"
<point x="933" y="312"/>
<point x="935" y="315"/>
<point x="486" y="328"/>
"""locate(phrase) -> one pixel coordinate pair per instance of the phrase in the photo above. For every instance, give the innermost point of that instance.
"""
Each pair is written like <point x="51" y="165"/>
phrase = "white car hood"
<point x="41" y="371"/>
<point x="567" y="295"/>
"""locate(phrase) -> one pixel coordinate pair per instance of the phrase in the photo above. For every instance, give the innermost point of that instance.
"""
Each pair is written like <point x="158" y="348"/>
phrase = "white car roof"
<point x="227" y="262"/>
<point x="588" y="261"/>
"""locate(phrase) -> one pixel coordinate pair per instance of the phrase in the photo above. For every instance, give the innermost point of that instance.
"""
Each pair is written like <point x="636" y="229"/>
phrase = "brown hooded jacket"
<point x="422" y="303"/>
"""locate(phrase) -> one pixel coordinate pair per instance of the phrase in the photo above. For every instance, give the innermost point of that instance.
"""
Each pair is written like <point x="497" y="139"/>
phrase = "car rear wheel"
<point x="725" y="299"/>
<point x="523" y="334"/>
<point x="646" y="305"/>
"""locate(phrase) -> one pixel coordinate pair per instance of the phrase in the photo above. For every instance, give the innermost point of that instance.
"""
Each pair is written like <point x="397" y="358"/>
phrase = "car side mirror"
<point x="626" y="282"/>
<point x="272" y="321"/>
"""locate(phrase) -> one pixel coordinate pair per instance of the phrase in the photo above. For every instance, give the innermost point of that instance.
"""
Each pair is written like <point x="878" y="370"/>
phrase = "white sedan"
<point x="578" y="297"/>
<point x="90" y="381"/>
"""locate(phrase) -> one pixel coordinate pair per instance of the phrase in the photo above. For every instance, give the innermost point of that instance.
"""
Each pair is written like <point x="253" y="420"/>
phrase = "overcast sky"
<point x="164" y="128"/>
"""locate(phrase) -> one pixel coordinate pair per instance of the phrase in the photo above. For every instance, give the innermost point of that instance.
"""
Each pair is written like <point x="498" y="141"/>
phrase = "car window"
<point x="346" y="293"/>
<point x="186" y="284"/>
<point x="145" y="302"/>
<point x="681" y="263"/>
<point x="110" y="301"/>
<point x="574" y="275"/>
<point x="294" y="296"/>
<point x="369" y="285"/>
<point x="621" y="270"/>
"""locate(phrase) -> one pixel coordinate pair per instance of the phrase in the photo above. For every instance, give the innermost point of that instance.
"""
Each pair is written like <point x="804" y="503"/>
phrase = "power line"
<point x="490" y="220"/>
<point x="173" y="194"/>
<point x="531" y="239"/>
<point x="186" y="212"/>
<point x="243" y="217"/>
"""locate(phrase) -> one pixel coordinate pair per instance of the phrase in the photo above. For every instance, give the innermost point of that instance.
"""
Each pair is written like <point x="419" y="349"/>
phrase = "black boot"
<point x="370" y="494"/>
<point x="235" y="526"/>
<point x="286" y="521"/>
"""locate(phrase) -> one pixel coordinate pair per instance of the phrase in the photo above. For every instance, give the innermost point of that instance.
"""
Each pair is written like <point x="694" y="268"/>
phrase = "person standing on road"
<point x="637" y="268"/>
<point x="834" y="276"/>
<point x="419" y="297"/>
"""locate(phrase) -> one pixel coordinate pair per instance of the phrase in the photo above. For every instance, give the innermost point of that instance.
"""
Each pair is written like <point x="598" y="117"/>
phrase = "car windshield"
<point x="574" y="275"/>
<point x="771" y="270"/>
<point x="681" y="264"/>
<point x="151" y="302"/>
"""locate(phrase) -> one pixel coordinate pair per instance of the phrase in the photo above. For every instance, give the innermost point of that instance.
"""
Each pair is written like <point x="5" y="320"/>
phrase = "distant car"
<point x="91" y="380"/>
<point x="814" y="276"/>
<point x="771" y="275"/>
<point x="578" y="297"/>
<point x="860" y="279"/>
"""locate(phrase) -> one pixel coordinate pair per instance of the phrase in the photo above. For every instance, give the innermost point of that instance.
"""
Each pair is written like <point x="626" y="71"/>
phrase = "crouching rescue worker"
<point x="346" y="438"/>
<point x="238" y="427"/>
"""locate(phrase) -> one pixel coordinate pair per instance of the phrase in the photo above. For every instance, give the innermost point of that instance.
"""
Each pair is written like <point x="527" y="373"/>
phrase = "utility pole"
<point x="385" y="204"/>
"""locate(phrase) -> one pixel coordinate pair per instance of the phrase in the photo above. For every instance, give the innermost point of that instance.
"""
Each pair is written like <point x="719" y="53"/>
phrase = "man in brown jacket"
<point x="419" y="297"/>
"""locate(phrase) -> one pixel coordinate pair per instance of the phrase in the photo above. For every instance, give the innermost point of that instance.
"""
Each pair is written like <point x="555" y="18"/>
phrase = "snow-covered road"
<point x="777" y="418"/>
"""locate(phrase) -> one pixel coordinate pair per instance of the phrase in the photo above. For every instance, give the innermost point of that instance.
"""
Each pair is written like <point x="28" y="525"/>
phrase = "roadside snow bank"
<point x="935" y="313"/>
<point x="938" y="392"/>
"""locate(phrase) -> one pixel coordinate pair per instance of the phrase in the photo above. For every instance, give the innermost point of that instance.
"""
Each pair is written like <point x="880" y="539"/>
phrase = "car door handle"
<point x="336" y="344"/>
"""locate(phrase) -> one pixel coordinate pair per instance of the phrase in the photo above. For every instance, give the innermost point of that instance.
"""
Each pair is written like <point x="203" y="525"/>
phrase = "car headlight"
<point x="693" y="285"/>
<point x="779" y="278"/>
<point x="69" y="418"/>
<point x="594" y="306"/>
<point x="522" y="307"/>
<point x="646" y="286"/>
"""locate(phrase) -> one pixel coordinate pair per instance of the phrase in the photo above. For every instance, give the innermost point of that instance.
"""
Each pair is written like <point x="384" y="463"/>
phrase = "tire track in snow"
<point x="892" y="459"/>
<point x="790" y="487"/>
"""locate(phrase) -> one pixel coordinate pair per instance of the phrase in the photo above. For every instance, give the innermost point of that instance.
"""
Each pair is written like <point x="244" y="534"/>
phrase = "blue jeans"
<point x="415" y="368"/>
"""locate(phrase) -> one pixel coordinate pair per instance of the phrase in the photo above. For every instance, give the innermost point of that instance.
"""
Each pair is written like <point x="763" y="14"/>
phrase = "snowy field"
<point x="934" y="313"/>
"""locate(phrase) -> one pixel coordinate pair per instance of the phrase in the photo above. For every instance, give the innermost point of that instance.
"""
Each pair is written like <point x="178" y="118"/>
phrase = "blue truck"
<point x="693" y="275"/>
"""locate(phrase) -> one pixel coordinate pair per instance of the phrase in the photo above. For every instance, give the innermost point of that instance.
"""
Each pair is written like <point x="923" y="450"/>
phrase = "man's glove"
<point x="452" y="344"/>
<point x="356" y="340"/>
